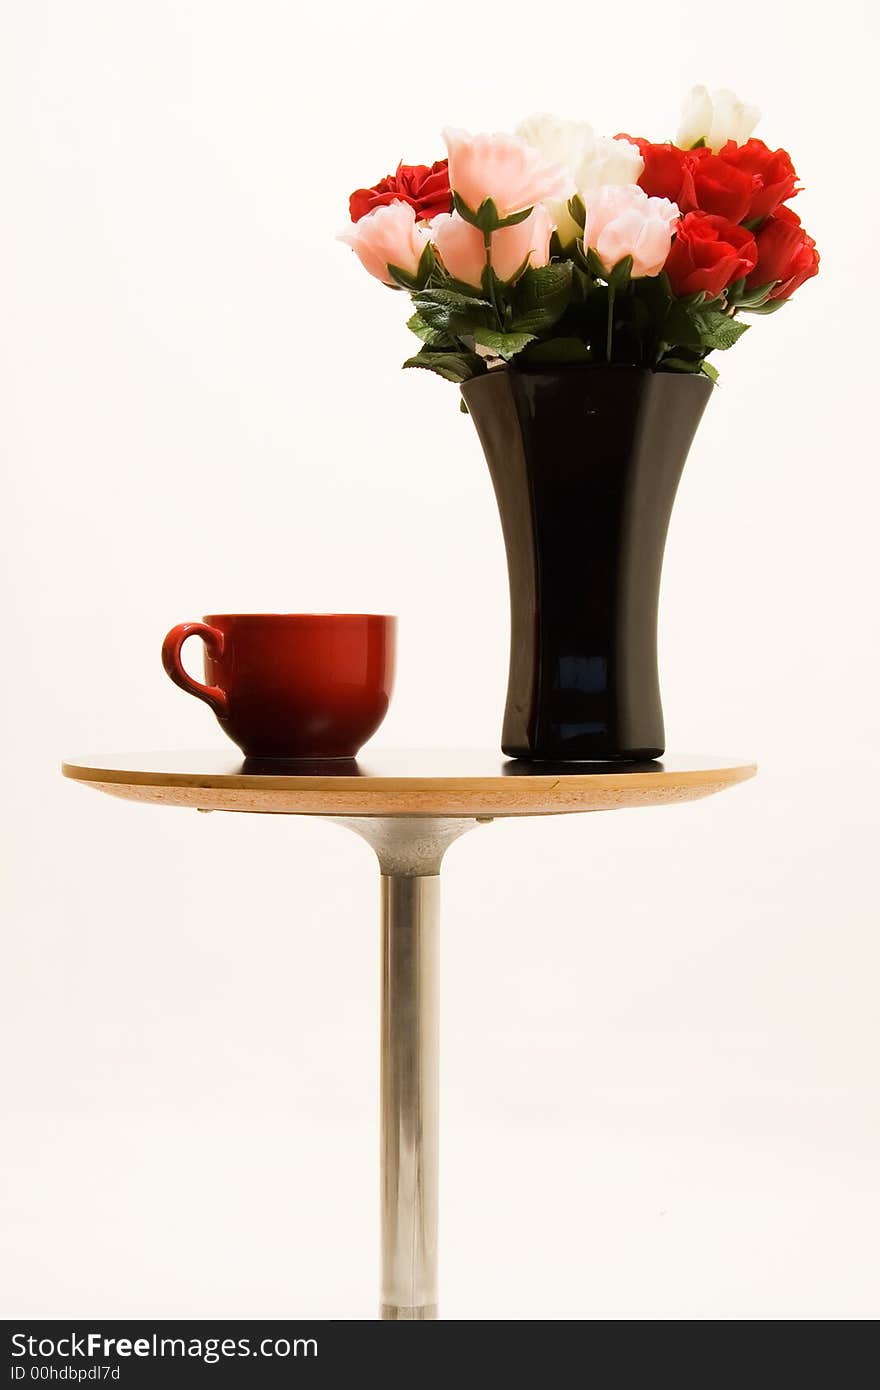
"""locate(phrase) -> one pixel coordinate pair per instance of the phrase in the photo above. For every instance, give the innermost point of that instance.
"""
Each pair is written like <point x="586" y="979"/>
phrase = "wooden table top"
<point x="403" y="782"/>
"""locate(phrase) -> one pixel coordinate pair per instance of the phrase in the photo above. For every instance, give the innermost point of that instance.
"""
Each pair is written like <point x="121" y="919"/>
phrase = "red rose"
<point x="709" y="253"/>
<point x="772" y="171"/>
<point x="695" y="179"/>
<point x="719" y="186"/>
<point x="785" y="253"/>
<point x="667" y="172"/>
<point x="425" y="189"/>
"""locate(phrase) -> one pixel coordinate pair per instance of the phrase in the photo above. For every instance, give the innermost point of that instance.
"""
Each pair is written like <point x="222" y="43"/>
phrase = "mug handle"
<point x="171" y="649"/>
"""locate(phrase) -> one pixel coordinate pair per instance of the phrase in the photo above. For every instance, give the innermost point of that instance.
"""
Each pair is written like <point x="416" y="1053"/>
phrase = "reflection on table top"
<point x="403" y="782"/>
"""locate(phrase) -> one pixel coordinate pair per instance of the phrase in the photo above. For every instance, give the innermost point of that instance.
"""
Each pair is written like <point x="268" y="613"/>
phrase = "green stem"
<point x="487" y="242"/>
<point x="610" y="333"/>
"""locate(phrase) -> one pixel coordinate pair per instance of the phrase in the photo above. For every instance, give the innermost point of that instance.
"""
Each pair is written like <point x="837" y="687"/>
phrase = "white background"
<point x="660" y="1028"/>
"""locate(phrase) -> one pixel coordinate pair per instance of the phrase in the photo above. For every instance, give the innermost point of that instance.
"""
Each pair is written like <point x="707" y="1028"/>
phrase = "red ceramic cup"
<point x="292" y="685"/>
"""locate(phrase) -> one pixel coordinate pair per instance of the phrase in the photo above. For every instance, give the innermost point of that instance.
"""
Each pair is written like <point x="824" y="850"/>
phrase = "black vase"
<point x="585" y="462"/>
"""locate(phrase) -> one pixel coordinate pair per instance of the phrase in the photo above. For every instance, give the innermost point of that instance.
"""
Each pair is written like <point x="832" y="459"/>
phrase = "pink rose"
<point x="460" y="247"/>
<point x="504" y="168"/>
<point x="388" y="236"/>
<point x="463" y="250"/>
<point x="623" y="221"/>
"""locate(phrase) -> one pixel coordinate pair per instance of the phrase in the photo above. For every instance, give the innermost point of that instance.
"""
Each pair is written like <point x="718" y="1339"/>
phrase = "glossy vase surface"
<point x="585" y="462"/>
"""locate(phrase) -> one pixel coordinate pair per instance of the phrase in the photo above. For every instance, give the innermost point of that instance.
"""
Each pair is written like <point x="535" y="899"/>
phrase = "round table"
<point x="410" y="806"/>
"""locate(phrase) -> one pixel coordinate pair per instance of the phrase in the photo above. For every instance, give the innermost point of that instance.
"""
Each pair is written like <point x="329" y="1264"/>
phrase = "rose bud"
<point x="715" y="119"/>
<point x="624" y="221"/>
<point x="462" y="248"/>
<point x="503" y="168"/>
<point x="785" y="253"/>
<point x="387" y="236"/>
<point x="424" y="187"/>
<point x="708" y="254"/>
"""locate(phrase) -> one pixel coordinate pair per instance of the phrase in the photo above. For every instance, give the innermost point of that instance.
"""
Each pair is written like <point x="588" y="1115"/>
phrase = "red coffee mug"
<point x="292" y="685"/>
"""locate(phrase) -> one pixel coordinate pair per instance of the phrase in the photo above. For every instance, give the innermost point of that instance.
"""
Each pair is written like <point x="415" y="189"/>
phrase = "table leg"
<point x="409" y="1072"/>
<point x="410" y="850"/>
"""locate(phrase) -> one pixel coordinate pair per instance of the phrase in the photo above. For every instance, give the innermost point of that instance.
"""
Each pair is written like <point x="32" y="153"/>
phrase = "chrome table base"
<point x="410" y="850"/>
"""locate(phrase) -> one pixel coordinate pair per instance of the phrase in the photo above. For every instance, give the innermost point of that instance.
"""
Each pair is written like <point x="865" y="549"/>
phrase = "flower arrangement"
<point x="553" y="246"/>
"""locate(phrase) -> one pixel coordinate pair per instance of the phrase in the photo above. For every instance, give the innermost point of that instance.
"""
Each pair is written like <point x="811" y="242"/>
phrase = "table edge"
<point x="540" y="782"/>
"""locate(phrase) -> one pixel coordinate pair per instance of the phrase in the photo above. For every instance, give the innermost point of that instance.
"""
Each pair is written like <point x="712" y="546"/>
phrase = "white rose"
<point x="559" y="142"/>
<point x="612" y="162"/>
<point x="715" y="118"/>
<point x="592" y="160"/>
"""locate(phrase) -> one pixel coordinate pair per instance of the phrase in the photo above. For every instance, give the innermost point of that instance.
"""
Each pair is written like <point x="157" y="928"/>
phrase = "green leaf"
<point x="486" y="216"/>
<point x="735" y="291"/>
<point x="557" y="250"/>
<point x="558" y="351"/>
<point x="740" y="297"/>
<point x="621" y="274"/>
<point x="541" y="297"/>
<point x="756" y="297"/>
<point x="653" y="292"/>
<point x="458" y="287"/>
<point x="582" y="285"/>
<point x="513" y="219"/>
<point x="577" y="210"/>
<point x="425" y="268"/>
<point x="452" y="366"/>
<point x="402" y="278"/>
<point x="693" y="366"/>
<point x="427" y="265"/>
<point x="699" y="144"/>
<point x="451" y="312"/>
<point x="679" y="327"/>
<point x="434" y="337"/>
<point x="594" y="265"/>
<point x="701" y="329"/>
<point x="718" y="331"/>
<point x="504" y="345"/>
<point x="464" y="211"/>
<point x="492" y="287"/>
<point x="680" y="364"/>
<point x="769" y="308"/>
